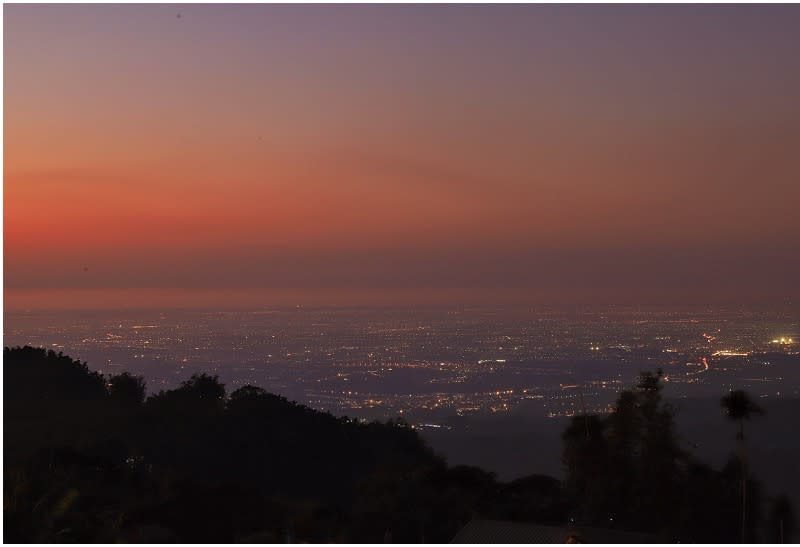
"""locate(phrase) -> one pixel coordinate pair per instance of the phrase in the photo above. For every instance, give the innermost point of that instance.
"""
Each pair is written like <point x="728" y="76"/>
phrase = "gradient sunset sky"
<point x="249" y="155"/>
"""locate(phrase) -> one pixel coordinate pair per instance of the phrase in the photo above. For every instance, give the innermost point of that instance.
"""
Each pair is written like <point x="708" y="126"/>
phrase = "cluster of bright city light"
<point x="783" y="340"/>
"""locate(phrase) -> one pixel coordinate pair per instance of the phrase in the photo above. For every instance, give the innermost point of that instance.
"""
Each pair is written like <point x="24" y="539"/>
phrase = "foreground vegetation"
<point x="89" y="458"/>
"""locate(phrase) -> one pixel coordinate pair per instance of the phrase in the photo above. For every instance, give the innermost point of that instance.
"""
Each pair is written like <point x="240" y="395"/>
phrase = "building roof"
<point x="500" y="531"/>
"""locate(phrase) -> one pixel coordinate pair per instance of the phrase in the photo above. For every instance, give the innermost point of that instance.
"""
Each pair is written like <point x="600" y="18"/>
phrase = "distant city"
<point x="433" y="366"/>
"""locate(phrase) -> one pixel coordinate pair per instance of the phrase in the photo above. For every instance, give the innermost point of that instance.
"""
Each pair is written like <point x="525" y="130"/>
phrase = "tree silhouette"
<point x="781" y="524"/>
<point x="87" y="461"/>
<point x="586" y="459"/>
<point x="46" y="377"/>
<point x="126" y="389"/>
<point x="739" y="407"/>
<point x="200" y="395"/>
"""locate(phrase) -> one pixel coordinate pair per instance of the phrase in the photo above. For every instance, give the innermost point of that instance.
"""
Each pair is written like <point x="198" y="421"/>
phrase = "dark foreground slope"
<point x="89" y="459"/>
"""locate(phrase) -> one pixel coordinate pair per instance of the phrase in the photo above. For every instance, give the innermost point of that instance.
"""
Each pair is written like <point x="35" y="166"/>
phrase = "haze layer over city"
<point x="432" y="365"/>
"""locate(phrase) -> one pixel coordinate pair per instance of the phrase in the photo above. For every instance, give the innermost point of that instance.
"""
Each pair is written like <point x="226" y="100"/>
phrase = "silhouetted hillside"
<point x="88" y="458"/>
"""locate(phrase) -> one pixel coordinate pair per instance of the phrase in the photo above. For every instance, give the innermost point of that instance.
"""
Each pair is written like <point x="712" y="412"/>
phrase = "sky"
<point x="256" y="155"/>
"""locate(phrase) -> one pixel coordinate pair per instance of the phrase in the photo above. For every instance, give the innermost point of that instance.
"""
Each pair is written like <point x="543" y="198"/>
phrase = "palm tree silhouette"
<point x="739" y="407"/>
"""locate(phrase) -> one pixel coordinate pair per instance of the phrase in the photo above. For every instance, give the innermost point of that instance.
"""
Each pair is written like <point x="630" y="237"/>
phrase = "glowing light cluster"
<point x="730" y="353"/>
